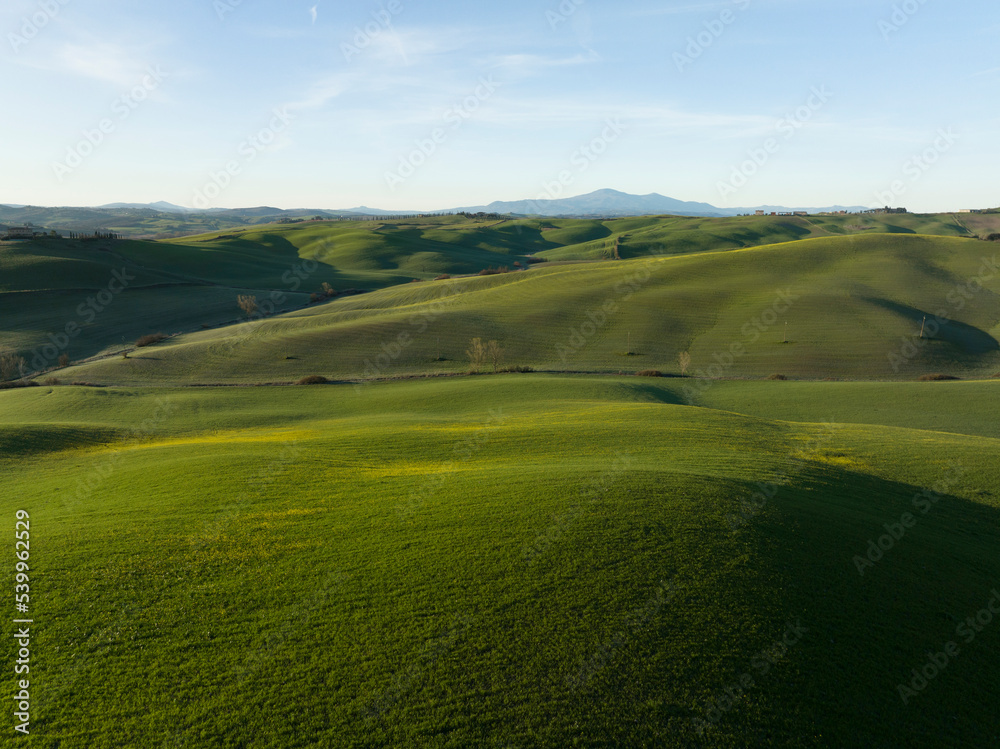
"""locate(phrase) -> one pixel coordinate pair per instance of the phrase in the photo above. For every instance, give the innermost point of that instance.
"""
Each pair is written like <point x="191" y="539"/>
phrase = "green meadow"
<point x="517" y="560"/>
<point x="567" y="555"/>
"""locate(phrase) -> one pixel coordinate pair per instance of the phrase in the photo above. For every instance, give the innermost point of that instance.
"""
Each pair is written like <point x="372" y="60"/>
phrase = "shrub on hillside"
<point x="247" y="303"/>
<point x="18" y="384"/>
<point x="937" y="377"/>
<point x="313" y="380"/>
<point x="994" y="237"/>
<point x="64" y="360"/>
<point x="12" y="366"/>
<point x="494" y="271"/>
<point x="778" y="377"/>
<point x="149" y="340"/>
<point x="442" y="277"/>
<point x="520" y="369"/>
<point x="649" y="373"/>
<point x="51" y="381"/>
<point x="481" y="353"/>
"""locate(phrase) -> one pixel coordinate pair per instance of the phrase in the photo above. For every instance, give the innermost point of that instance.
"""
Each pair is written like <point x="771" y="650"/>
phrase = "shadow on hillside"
<point x="737" y="594"/>
<point x="893" y="229"/>
<point x="867" y="632"/>
<point x="969" y="339"/>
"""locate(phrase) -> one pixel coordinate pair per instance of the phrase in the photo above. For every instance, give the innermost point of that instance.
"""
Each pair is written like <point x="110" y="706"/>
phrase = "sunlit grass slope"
<point x="184" y="284"/>
<point x="504" y="561"/>
<point x="850" y="307"/>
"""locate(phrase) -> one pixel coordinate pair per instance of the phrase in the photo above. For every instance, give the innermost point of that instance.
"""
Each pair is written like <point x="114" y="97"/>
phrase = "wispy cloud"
<point x="323" y="91"/>
<point x="532" y="64"/>
<point x="314" y="13"/>
<point x="103" y="62"/>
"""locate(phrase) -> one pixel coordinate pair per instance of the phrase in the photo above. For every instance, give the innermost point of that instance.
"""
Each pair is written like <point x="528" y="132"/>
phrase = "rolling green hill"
<point x="181" y="286"/>
<point x="527" y="560"/>
<point x="850" y="307"/>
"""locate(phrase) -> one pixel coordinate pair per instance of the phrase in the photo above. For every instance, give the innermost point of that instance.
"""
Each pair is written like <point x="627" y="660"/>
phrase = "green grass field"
<point x="520" y="560"/>
<point x="575" y="556"/>
<point x="881" y="281"/>
<point x="847" y="308"/>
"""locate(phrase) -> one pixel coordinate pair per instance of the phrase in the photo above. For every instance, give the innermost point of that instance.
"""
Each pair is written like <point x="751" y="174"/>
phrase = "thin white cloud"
<point x="530" y="64"/>
<point x="321" y="92"/>
<point x="103" y="62"/>
<point x="314" y="13"/>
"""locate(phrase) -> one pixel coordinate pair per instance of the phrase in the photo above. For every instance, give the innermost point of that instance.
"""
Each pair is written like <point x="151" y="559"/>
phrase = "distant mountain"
<point x="600" y="203"/>
<point x="162" y="206"/>
<point x="786" y="209"/>
<point x="364" y="210"/>
<point x="616" y="203"/>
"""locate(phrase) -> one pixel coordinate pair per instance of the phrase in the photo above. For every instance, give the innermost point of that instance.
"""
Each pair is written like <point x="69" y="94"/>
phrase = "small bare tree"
<point x="477" y="354"/>
<point x="64" y="360"/>
<point x="328" y="289"/>
<point x="685" y="361"/>
<point x="11" y="366"/>
<point x="248" y="304"/>
<point x="495" y="354"/>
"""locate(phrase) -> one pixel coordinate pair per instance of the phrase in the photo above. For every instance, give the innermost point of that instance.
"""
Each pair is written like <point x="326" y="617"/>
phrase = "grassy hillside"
<point x="852" y="307"/>
<point x="679" y="235"/>
<point x="507" y="561"/>
<point x="85" y="298"/>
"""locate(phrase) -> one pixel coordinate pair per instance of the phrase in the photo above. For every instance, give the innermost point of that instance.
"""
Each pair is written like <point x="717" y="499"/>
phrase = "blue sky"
<point x="414" y="104"/>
